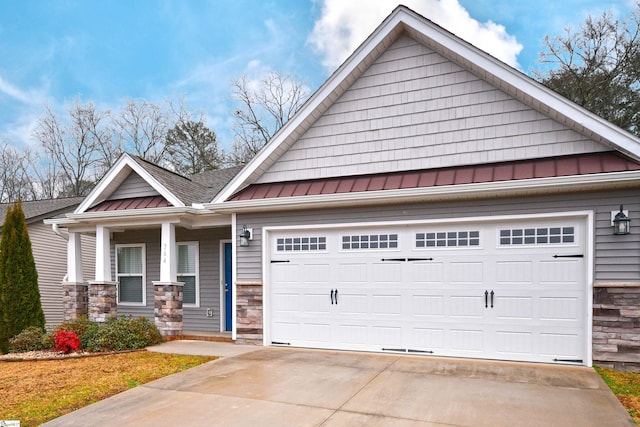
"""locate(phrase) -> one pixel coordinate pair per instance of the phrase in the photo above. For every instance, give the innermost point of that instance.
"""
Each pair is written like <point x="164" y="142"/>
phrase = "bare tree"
<point x="73" y="146"/>
<point x="262" y="108"/>
<point x="142" y="127"/>
<point x="15" y="182"/>
<point x="598" y="67"/>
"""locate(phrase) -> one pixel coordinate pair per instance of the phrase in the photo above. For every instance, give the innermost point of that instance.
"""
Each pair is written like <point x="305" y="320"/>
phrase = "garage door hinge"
<point x="568" y="360"/>
<point x="275" y="261"/>
<point x="280" y="343"/>
<point x="407" y="350"/>
<point x="569" y="256"/>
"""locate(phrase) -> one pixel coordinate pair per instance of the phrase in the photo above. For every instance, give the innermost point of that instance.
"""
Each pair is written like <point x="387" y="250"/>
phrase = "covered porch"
<point x="173" y="265"/>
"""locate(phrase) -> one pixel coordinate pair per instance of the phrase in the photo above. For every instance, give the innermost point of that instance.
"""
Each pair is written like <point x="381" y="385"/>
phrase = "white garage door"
<point x="511" y="291"/>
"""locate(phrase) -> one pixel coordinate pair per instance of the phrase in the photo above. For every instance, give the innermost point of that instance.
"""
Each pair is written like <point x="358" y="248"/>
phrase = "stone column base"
<point x="249" y="313"/>
<point x="75" y="298"/>
<point x="167" y="297"/>
<point x="103" y="301"/>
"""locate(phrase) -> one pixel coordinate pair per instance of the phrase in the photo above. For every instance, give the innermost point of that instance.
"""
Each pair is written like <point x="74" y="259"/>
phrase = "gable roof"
<point x="175" y="190"/>
<point x="38" y="209"/>
<point x="405" y="21"/>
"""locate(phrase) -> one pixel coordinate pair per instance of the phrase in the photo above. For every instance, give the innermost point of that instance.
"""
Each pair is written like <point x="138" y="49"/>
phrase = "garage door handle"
<point x="331" y="296"/>
<point x="492" y="298"/>
<point x="486" y="299"/>
<point x="336" y="296"/>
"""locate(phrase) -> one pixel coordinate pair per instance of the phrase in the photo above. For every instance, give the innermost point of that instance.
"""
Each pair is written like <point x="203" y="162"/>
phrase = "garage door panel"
<point x="466" y="273"/>
<point x="467" y="306"/>
<point x="513" y="307"/>
<point x="467" y="340"/>
<point x="561" y="308"/>
<point x="427" y="305"/>
<point x="352" y="272"/>
<point x="316" y="302"/>
<point x="514" y="272"/>
<point x="515" y="343"/>
<point x="425" y="338"/>
<point x="557" y="344"/>
<point x="352" y="303"/>
<point x="426" y="295"/>
<point x="427" y="273"/>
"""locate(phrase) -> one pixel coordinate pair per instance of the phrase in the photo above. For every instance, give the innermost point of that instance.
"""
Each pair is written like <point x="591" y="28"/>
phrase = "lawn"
<point x="626" y="387"/>
<point x="38" y="391"/>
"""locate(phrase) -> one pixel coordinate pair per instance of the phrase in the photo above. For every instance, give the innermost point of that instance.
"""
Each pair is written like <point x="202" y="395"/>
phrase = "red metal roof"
<point x="134" y="203"/>
<point x="581" y="164"/>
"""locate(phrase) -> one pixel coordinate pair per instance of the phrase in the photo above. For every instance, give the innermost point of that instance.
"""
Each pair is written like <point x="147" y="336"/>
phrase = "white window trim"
<point x="144" y="274"/>
<point x="196" y="273"/>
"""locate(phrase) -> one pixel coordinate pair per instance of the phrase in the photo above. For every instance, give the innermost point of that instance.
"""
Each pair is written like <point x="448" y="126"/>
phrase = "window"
<point x="370" y="241"/>
<point x="130" y="266"/>
<point x="299" y="244"/>
<point x="187" y="255"/>
<point x="537" y="236"/>
<point x="448" y="239"/>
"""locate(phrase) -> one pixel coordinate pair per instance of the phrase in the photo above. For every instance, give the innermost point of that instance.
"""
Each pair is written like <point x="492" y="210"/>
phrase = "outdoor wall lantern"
<point x="621" y="222"/>
<point x="245" y="236"/>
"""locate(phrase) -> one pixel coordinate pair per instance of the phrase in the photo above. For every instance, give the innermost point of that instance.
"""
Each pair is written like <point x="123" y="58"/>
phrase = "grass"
<point x="35" y="392"/>
<point x="626" y="387"/>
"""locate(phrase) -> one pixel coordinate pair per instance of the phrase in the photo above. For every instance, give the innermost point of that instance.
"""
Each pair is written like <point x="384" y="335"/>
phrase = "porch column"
<point x="103" y="291"/>
<point x="75" y="294"/>
<point x="168" y="291"/>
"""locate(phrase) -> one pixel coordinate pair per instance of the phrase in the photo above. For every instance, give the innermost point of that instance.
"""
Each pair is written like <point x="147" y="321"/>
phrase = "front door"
<point x="228" y="288"/>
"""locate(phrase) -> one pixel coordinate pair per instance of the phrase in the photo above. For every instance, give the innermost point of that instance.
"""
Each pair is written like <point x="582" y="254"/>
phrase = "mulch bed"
<point x="34" y="356"/>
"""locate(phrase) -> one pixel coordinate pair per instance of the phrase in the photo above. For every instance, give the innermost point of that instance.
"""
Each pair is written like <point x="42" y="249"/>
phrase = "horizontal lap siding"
<point x="50" y="254"/>
<point x="414" y="109"/>
<point x="617" y="257"/>
<point x="195" y="318"/>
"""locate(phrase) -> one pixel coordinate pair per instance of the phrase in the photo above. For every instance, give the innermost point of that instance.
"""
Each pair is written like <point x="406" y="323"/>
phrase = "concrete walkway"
<point x="257" y="386"/>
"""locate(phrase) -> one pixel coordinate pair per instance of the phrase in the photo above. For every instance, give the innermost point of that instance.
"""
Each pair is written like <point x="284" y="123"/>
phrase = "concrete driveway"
<point x="296" y="387"/>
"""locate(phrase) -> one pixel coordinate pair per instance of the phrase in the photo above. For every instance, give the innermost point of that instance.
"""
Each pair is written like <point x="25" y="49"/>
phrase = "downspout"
<point x="65" y="236"/>
<point x="59" y="232"/>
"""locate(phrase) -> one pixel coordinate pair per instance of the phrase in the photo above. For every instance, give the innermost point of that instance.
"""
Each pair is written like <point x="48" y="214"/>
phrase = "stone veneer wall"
<point x="75" y="298"/>
<point x="167" y="309"/>
<point x="249" y="313"/>
<point x="616" y="326"/>
<point x="103" y="303"/>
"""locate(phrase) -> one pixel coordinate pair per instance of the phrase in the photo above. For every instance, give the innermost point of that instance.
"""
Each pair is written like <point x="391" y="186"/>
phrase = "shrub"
<point x="85" y="330"/>
<point x="66" y="342"/>
<point x="30" y="339"/>
<point x="126" y="333"/>
<point x="20" y="305"/>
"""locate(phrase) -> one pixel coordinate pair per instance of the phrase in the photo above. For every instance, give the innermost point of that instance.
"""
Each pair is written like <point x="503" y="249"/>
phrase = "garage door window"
<point x="537" y="236"/>
<point x="301" y="244"/>
<point x="370" y="241"/>
<point x="448" y="239"/>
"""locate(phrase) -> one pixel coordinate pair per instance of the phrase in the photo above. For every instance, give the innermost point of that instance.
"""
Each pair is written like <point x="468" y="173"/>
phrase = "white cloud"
<point x="343" y="25"/>
<point x="15" y="92"/>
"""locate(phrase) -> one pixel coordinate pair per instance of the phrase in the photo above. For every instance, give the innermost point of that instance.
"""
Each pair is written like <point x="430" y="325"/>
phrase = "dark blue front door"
<point x="228" y="280"/>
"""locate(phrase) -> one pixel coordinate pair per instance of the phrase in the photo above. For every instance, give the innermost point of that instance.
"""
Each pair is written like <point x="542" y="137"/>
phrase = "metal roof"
<point x="581" y="164"/>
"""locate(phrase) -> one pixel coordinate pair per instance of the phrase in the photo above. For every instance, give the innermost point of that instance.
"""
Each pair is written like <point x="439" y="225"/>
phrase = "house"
<point x="427" y="199"/>
<point x="50" y="252"/>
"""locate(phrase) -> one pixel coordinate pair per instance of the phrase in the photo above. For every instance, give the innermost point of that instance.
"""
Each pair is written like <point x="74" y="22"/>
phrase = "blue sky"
<point x="106" y="50"/>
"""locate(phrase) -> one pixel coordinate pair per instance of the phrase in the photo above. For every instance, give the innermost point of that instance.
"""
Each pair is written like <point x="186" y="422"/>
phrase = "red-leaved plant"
<point x="66" y="342"/>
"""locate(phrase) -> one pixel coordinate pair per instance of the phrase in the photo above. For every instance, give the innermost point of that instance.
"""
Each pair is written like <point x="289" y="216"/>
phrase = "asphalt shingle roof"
<point x="199" y="188"/>
<point x="38" y="209"/>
